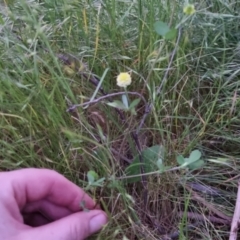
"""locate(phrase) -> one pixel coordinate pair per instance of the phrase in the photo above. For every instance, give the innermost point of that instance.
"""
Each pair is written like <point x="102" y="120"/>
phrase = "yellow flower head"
<point x="124" y="79"/>
<point x="189" y="9"/>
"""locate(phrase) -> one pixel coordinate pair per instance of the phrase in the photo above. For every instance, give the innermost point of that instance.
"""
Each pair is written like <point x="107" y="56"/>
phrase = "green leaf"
<point x="161" y="28"/>
<point x="150" y="157"/>
<point x="102" y="155"/>
<point x="1" y="20"/>
<point x="133" y="111"/>
<point x="72" y="136"/>
<point x="134" y="103"/>
<point x="160" y="164"/>
<point x="170" y="35"/>
<point x="180" y="159"/>
<point x="195" y="155"/>
<point x="125" y="100"/>
<point x="92" y="176"/>
<point x="117" y="104"/>
<point x="196" y="165"/>
<point x="99" y="183"/>
<point x="187" y="161"/>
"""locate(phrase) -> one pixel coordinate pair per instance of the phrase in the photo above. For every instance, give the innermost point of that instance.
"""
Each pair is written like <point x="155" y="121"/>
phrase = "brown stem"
<point x="110" y="95"/>
<point x="202" y="217"/>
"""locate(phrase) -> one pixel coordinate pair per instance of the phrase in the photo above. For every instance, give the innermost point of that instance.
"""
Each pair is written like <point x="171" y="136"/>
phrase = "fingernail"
<point x="97" y="222"/>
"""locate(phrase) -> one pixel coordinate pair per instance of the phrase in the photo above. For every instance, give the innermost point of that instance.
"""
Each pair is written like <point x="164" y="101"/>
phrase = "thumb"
<point x="77" y="226"/>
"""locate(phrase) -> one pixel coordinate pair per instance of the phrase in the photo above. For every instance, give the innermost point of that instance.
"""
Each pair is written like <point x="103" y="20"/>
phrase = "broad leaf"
<point x="180" y="160"/>
<point x="150" y="157"/>
<point x="92" y="176"/>
<point x="195" y="155"/>
<point x="99" y="182"/>
<point x="134" y="103"/>
<point x="160" y="164"/>
<point x="125" y="100"/>
<point x="196" y="165"/>
<point x="188" y="161"/>
<point x="117" y="104"/>
<point x="170" y="35"/>
<point x="133" y="111"/>
<point x="161" y="28"/>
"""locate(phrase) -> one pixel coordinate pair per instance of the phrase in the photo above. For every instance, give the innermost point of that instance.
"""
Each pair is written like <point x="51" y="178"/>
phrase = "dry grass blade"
<point x="150" y="105"/>
<point x="236" y="217"/>
<point x="209" y="206"/>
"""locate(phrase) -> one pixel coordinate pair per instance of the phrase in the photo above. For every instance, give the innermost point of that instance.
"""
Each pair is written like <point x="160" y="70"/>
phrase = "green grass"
<point x="197" y="108"/>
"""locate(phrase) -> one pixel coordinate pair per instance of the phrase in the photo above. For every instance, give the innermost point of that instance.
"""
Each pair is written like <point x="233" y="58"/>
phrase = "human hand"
<point x="37" y="204"/>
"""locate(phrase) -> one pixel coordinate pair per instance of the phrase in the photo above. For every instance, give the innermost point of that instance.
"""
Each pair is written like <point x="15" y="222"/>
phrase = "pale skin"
<point x="38" y="204"/>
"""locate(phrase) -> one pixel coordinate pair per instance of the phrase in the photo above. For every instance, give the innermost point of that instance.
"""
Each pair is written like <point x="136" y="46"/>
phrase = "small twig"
<point x="209" y="206"/>
<point x="150" y="173"/>
<point x="236" y="217"/>
<point x="150" y="105"/>
<point x="110" y="95"/>
<point x="121" y="156"/>
<point x="204" y="189"/>
<point x="199" y="217"/>
<point x="176" y="234"/>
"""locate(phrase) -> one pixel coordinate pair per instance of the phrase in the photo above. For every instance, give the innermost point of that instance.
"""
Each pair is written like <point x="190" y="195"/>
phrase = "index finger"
<point x="30" y="185"/>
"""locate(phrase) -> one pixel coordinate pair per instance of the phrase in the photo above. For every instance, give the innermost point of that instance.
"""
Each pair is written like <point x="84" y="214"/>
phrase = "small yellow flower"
<point x="124" y="79"/>
<point x="189" y="9"/>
